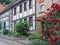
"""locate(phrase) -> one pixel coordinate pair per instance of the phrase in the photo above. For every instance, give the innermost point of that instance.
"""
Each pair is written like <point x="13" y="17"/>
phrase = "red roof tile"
<point x="2" y="7"/>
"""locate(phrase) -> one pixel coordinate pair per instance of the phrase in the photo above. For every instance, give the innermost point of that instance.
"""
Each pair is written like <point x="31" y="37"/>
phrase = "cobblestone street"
<point x="2" y="43"/>
<point x="8" y="42"/>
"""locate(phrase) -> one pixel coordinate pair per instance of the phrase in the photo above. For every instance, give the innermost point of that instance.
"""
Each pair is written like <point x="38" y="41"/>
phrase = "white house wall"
<point x="15" y="18"/>
<point x="25" y="14"/>
<point x="5" y="18"/>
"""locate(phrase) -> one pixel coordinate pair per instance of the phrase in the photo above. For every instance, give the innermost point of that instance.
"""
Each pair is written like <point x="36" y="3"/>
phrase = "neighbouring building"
<point x="41" y="7"/>
<point x="2" y="7"/>
<point x="19" y="10"/>
<point x="24" y="11"/>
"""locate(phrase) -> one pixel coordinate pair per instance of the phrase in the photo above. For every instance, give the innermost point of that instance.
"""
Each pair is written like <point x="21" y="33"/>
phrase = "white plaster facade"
<point x="25" y="14"/>
<point x="9" y="18"/>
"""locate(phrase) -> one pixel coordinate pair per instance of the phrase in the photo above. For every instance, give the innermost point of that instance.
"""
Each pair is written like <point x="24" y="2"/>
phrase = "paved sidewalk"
<point x="13" y="41"/>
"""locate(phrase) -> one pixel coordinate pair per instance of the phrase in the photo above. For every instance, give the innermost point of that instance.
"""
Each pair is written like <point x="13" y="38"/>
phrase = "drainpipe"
<point x="35" y="15"/>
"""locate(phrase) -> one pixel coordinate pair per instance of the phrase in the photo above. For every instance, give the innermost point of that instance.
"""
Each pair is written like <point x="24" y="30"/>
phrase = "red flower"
<point x="43" y="32"/>
<point x="53" y="20"/>
<point x="44" y="18"/>
<point x="54" y="33"/>
<point x="53" y="5"/>
<point x="53" y="27"/>
<point x="52" y="42"/>
<point x="50" y="31"/>
<point x="57" y="29"/>
<point x="51" y="17"/>
<point x="50" y="37"/>
<point x="50" y="13"/>
<point x="55" y="38"/>
<point x="54" y="10"/>
<point x="48" y="9"/>
<point x="38" y="20"/>
<point x="57" y="20"/>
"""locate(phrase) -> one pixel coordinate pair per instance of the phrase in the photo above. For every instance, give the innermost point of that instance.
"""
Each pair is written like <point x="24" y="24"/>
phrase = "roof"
<point x="10" y="6"/>
<point x="2" y="7"/>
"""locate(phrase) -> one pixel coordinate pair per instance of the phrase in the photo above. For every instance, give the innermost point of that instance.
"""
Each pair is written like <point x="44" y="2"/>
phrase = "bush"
<point x="22" y="37"/>
<point x="22" y="28"/>
<point x="15" y="34"/>
<point x="34" y="36"/>
<point x="5" y="31"/>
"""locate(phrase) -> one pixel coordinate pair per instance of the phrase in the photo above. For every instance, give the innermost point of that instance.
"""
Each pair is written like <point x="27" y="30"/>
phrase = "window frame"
<point x="30" y="4"/>
<point x="41" y="9"/>
<point x="25" y="6"/>
<point x="20" y="8"/>
<point x="15" y="11"/>
<point x="30" y="21"/>
<point x="25" y="19"/>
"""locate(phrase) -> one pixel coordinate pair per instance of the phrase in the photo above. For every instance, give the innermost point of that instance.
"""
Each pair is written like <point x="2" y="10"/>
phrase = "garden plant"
<point x="51" y="32"/>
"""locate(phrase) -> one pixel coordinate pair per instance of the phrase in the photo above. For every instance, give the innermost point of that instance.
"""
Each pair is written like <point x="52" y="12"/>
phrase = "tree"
<point x="52" y="24"/>
<point x="5" y="1"/>
<point x="22" y="28"/>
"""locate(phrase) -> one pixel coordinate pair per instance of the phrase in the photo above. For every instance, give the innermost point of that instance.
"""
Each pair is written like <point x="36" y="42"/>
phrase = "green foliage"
<point x="34" y="36"/>
<point x="5" y="31"/>
<point x="58" y="33"/>
<point x="22" y="37"/>
<point x="37" y="42"/>
<point x="22" y="28"/>
<point x="58" y="25"/>
<point x="55" y="15"/>
<point x="15" y="34"/>
<point x="5" y="1"/>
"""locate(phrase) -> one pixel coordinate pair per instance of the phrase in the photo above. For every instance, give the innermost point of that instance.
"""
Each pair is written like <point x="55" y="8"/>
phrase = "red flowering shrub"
<point x="52" y="22"/>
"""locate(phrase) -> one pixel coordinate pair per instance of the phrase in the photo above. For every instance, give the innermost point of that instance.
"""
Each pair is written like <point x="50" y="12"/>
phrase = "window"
<point x="30" y="4"/>
<point x="25" y="6"/>
<point x="0" y="25"/>
<point x="4" y="25"/>
<point x="25" y="19"/>
<point x="41" y="7"/>
<point x="15" y="11"/>
<point x="14" y="26"/>
<point x="30" y="21"/>
<point x="21" y="8"/>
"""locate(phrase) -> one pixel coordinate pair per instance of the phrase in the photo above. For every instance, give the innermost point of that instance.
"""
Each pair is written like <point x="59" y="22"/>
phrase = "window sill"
<point x="41" y="12"/>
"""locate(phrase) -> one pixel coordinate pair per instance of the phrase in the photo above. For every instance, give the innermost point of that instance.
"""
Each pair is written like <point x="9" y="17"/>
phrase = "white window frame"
<point x="41" y="10"/>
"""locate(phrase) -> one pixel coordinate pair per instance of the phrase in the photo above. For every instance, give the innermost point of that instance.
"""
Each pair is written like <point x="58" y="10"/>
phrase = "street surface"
<point x="2" y="43"/>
